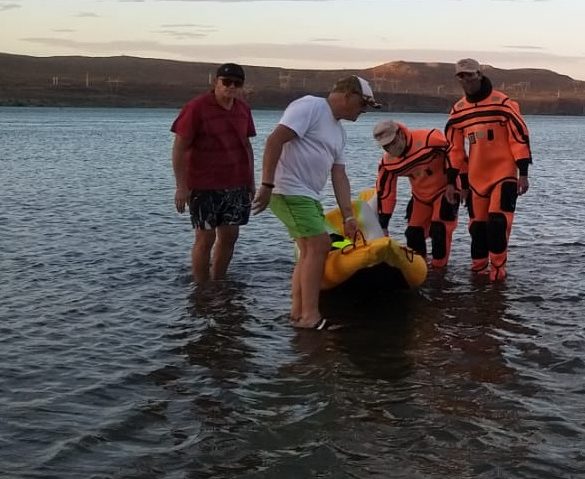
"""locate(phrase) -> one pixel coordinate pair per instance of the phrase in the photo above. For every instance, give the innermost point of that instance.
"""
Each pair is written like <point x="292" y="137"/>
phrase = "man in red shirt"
<point x="213" y="163"/>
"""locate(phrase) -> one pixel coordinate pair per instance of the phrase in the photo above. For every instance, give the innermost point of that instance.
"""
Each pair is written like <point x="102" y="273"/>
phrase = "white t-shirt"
<point x="306" y="160"/>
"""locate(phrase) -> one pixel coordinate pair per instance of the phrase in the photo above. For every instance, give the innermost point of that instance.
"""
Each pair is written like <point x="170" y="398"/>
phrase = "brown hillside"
<point x="437" y="78"/>
<point x="132" y="81"/>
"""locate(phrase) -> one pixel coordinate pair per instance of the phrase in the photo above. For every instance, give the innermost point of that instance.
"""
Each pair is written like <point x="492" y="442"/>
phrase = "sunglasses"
<point x="228" y="82"/>
<point x="461" y="75"/>
<point x="364" y="102"/>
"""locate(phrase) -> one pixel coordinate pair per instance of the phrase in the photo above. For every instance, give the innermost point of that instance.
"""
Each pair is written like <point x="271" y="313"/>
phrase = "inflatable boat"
<point x="372" y="261"/>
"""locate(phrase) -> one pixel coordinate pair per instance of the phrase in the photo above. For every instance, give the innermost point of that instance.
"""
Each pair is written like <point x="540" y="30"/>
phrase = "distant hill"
<point x="144" y="82"/>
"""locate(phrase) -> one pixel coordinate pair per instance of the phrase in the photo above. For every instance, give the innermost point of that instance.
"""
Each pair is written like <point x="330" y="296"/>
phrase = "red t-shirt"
<point x="217" y="157"/>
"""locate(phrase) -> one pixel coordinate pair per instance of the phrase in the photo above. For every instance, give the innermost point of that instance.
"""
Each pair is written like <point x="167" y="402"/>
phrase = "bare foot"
<point x="322" y="324"/>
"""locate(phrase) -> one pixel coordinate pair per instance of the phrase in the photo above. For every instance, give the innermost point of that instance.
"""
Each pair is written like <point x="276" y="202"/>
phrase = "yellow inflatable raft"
<point x="373" y="261"/>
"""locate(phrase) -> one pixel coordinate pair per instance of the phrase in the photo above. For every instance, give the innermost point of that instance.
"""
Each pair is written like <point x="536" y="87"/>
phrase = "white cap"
<point x="385" y="131"/>
<point x="357" y="85"/>
<point x="467" y="65"/>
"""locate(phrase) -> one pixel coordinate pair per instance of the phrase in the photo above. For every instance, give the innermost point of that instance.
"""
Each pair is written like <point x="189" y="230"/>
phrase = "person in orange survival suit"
<point x="495" y="168"/>
<point x="420" y="155"/>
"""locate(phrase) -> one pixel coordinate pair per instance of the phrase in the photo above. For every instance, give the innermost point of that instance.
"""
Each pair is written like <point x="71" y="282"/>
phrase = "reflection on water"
<point x="113" y="365"/>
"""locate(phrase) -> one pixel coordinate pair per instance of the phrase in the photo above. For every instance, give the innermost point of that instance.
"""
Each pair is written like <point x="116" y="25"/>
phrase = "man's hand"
<point x="350" y="228"/>
<point x="522" y="185"/>
<point x="454" y="196"/>
<point x="261" y="199"/>
<point x="451" y="194"/>
<point x="181" y="199"/>
<point x="464" y="195"/>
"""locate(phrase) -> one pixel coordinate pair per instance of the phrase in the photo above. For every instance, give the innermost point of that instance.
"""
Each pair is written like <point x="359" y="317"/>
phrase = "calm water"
<point x="113" y="365"/>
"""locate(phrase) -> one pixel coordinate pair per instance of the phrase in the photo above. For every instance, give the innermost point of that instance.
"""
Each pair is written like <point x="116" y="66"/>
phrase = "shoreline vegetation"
<point x="123" y="81"/>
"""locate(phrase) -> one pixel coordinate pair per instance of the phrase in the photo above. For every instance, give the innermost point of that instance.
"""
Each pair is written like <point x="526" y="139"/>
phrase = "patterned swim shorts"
<point x="212" y="208"/>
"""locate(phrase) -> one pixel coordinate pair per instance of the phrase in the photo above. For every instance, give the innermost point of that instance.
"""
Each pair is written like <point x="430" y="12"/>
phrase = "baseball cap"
<point x="467" y="65"/>
<point x="232" y="70"/>
<point x="355" y="84"/>
<point x="385" y="131"/>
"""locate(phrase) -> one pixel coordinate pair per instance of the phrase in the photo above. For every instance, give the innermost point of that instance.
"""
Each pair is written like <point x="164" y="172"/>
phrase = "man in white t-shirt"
<point x="304" y="147"/>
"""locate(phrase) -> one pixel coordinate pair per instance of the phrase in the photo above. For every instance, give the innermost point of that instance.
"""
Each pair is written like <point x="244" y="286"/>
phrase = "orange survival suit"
<point x="424" y="162"/>
<point x="497" y="149"/>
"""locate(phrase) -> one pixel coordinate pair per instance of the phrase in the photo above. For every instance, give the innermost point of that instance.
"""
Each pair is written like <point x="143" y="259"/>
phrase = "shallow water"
<point x="112" y="365"/>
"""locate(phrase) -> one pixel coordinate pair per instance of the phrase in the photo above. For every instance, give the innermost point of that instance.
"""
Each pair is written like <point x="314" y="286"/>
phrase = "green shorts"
<point x="303" y="216"/>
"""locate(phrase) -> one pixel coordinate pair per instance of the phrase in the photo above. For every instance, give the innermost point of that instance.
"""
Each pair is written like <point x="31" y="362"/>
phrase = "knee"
<point x="204" y="239"/>
<point x="314" y="245"/>
<point x="322" y="244"/>
<point x="228" y="235"/>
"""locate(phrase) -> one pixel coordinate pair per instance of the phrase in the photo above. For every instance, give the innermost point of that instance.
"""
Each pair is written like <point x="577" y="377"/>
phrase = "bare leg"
<point x="200" y="254"/>
<point x="227" y="236"/>
<point x="297" y="304"/>
<point x="314" y="250"/>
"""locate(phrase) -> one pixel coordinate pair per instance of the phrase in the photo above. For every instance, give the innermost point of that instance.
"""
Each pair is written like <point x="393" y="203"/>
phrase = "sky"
<point x="315" y="34"/>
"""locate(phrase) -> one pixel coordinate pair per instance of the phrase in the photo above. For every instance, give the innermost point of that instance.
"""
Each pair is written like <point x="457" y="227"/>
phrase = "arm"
<point x="342" y="191"/>
<point x="456" y="146"/>
<point x="520" y="146"/>
<point x="456" y="193"/>
<point x="386" y="186"/>
<point x="250" y="150"/>
<point x="455" y="165"/>
<point x="440" y="148"/>
<point x="523" y="183"/>
<point x="251" y="157"/>
<point x="272" y="152"/>
<point x="179" y="154"/>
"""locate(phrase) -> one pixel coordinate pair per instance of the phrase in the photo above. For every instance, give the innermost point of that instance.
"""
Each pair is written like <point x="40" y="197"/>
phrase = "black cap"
<point x="231" y="70"/>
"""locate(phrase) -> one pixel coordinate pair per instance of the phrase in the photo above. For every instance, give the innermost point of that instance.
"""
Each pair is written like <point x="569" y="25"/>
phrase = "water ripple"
<point x="113" y="365"/>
